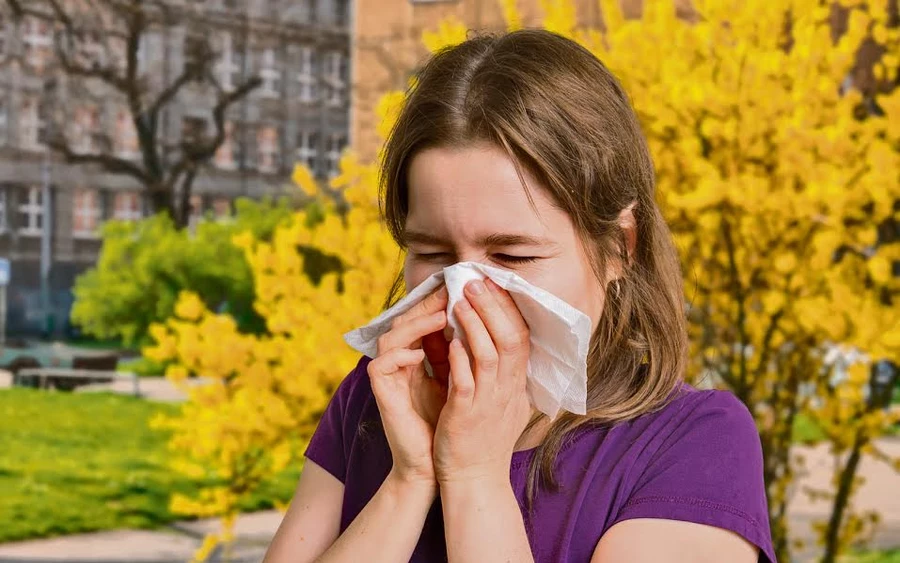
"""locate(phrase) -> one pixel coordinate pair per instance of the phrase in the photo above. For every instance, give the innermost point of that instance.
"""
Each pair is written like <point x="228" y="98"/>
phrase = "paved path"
<point x="152" y="388"/>
<point x="175" y="545"/>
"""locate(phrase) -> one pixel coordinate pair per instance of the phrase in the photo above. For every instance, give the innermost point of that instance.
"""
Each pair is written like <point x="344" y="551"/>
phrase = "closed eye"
<point x="515" y="259"/>
<point x="432" y="255"/>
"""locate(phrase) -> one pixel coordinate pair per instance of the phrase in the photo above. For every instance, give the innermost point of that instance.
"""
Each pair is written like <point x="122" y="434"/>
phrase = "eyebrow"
<point x="495" y="239"/>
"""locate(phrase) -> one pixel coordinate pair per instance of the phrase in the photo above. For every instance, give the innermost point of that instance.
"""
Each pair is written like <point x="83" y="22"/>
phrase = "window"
<point x="268" y="148"/>
<point x="127" y="206"/>
<point x="306" y="75"/>
<point x="195" y="52"/>
<point x="333" y="152"/>
<point x="87" y="135"/>
<point x="229" y="67"/>
<point x="126" y="138"/>
<point x="4" y="37"/>
<point x="4" y="120"/>
<point x="86" y="213"/>
<point x="341" y="12"/>
<point x="31" y="213"/>
<point x="270" y="74"/>
<point x="37" y="40"/>
<point x="335" y="78"/>
<point x="193" y="129"/>
<point x="221" y="207"/>
<point x="3" y="225"/>
<point x="310" y="9"/>
<point x="195" y="215"/>
<point x="32" y="125"/>
<point x="142" y="56"/>
<point x="91" y="50"/>
<point x="228" y="154"/>
<point x="307" y="151"/>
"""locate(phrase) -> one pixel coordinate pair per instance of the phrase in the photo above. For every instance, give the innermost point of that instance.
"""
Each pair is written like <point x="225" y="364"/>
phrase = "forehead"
<point x="471" y="190"/>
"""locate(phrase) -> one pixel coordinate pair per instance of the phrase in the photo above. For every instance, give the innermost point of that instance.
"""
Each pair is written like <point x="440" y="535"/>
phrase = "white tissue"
<point x="559" y="334"/>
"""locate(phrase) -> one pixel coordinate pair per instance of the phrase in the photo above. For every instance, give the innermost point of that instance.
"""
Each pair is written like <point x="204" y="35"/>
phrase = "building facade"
<point x="52" y="211"/>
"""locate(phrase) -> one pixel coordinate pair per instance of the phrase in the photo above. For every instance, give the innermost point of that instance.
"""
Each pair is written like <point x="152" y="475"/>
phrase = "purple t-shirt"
<point x="697" y="460"/>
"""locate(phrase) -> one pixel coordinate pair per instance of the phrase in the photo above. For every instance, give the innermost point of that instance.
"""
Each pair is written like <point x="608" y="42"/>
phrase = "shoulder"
<point x="708" y="438"/>
<point x="694" y="415"/>
<point x="356" y="386"/>
<point x="701" y="462"/>
<point x="709" y="415"/>
<point x="340" y="423"/>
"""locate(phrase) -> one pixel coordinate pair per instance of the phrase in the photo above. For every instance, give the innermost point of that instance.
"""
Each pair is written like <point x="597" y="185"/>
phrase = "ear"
<point x="628" y="224"/>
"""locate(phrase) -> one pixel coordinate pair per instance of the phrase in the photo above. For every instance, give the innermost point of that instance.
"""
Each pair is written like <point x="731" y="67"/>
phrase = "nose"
<point x="472" y="256"/>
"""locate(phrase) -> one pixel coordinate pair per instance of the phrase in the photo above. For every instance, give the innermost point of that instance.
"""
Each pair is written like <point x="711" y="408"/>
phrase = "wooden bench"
<point x="69" y="378"/>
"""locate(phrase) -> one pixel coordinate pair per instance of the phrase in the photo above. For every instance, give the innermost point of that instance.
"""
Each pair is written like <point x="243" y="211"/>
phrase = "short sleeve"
<point x="330" y="444"/>
<point x="709" y="470"/>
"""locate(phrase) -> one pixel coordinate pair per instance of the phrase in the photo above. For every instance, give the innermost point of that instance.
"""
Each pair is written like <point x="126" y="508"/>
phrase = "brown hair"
<point x="559" y="112"/>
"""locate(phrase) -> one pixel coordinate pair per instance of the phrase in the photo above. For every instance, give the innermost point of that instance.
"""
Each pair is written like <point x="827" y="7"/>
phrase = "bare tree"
<point x="97" y="42"/>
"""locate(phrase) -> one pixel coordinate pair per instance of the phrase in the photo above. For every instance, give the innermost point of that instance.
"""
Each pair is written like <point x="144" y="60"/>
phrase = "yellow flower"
<point x="189" y="306"/>
<point x="303" y="178"/>
<point x="450" y="32"/>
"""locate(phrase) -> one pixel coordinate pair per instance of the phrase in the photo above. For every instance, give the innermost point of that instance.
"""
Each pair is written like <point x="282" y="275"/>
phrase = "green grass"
<point x="82" y="462"/>
<point x="892" y="556"/>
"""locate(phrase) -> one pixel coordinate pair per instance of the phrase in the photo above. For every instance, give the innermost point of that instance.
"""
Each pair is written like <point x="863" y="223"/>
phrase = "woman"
<point x="523" y="152"/>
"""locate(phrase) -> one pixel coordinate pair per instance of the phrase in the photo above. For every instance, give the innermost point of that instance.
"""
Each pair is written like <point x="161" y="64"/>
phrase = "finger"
<point x="410" y="333"/>
<point x="503" y="320"/>
<point x="483" y="351"/>
<point x="462" y="383"/>
<point x="394" y="360"/>
<point x="508" y="304"/>
<point x="435" y="301"/>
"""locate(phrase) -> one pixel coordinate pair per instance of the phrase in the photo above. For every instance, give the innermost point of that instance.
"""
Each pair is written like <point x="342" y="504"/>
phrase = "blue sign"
<point x="4" y="271"/>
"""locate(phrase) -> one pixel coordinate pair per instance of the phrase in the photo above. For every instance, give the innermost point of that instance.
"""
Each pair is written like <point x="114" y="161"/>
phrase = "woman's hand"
<point x="409" y="401"/>
<point x="487" y="405"/>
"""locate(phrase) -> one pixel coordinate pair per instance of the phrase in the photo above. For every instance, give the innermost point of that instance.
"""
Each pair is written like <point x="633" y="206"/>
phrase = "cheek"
<point x="582" y="290"/>
<point x="587" y="296"/>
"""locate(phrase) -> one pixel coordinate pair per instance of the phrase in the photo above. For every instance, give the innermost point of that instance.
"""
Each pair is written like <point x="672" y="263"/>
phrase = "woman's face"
<point x="469" y="205"/>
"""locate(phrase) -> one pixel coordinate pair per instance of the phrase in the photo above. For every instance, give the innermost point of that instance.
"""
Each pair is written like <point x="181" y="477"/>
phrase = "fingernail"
<point x="491" y="284"/>
<point x="464" y="305"/>
<point x="476" y="287"/>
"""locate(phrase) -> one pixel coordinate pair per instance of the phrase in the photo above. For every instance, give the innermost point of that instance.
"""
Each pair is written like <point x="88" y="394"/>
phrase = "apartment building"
<point x="51" y="210"/>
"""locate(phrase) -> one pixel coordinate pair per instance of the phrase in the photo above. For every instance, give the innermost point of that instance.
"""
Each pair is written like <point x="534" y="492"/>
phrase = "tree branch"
<point x="106" y="161"/>
<point x="226" y="99"/>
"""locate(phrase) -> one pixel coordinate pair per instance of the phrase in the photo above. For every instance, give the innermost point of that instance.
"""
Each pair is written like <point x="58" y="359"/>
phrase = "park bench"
<point x="67" y="379"/>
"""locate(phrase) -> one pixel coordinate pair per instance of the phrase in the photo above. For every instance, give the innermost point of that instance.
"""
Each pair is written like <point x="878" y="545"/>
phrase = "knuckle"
<point x="487" y="360"/>
<point x="514" y="343"/>
<point x="383" y="343"/>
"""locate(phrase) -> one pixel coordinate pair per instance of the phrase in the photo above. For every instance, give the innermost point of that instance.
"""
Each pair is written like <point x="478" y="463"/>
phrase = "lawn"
<point x="82" y="462"/>
<point x="875" y="557"/>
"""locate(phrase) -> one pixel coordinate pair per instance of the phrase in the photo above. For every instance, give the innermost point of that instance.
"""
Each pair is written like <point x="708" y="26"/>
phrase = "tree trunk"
<point x="845" y="484"/>
<point x="160" y="202"/>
